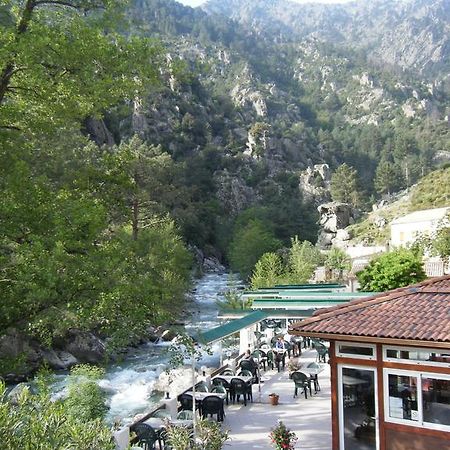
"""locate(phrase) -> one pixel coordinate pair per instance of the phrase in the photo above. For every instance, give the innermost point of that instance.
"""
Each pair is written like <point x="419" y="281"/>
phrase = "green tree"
<point x="61" y="61"/>
<point x="249" y="244"/>
<point x="337" y="259"/>
<point x="267" y="271"/>
<point x="392" y="270"/>
<point x="344" y="185"/>
<point x="303" y="259"/>
<point x="388" y="178"/>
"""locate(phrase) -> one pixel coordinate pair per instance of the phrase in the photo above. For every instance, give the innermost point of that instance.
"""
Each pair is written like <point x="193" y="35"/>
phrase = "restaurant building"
<point x="390" y="368"/>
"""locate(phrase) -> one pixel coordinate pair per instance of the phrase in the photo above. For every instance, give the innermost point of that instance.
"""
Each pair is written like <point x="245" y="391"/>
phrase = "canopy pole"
<point x="193" y="399"/>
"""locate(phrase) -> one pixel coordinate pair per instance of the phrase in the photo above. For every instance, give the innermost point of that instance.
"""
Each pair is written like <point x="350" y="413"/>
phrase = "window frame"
<point x="414" y="361"/>
<point x="419" y="423"/>
<point x="339" y="354"/>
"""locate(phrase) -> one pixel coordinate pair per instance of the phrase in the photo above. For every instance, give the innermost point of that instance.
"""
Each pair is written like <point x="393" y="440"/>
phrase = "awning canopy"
<point x="223" y="331"/>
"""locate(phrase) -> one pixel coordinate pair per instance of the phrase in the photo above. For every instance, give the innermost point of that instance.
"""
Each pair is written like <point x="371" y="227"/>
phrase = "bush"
<point x="36" y="422"/>
<point x="86" y="401"/>
<point x="392" y="270"/>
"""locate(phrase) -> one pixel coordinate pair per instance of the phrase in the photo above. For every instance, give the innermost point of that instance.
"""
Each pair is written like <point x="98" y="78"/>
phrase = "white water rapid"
<point x="130" y="384"/>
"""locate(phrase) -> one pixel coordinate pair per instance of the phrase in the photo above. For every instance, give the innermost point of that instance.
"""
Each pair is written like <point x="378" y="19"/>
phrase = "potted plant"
<point x="273" y="398"/>
<point x="282" y="438"/>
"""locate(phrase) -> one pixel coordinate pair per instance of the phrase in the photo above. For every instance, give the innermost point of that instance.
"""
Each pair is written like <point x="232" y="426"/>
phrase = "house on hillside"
<point x="390" y="368"/>
<point x="406" y="229"/>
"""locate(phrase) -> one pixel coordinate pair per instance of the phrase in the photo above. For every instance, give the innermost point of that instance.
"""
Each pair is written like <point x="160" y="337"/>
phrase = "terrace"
<point x="309" y="418"/>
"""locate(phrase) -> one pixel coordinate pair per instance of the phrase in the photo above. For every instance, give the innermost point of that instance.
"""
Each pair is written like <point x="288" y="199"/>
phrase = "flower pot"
<point x="273" y="398"/>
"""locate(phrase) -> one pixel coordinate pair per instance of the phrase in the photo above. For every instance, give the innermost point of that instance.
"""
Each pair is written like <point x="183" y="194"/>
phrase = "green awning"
<point x="270" y="313"/>
<point x="310" y="286"/>
<point x="296" y="304"/>
<point x="223" y="331"/>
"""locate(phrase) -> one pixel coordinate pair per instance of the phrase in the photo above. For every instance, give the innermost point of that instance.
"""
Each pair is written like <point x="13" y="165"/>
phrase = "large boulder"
<point x="84" y="346"/>
<point x="335" y="216"/>
<point x="59" y="360"/>
<point x="212" y="265"/>
<point x="20" y="355"/>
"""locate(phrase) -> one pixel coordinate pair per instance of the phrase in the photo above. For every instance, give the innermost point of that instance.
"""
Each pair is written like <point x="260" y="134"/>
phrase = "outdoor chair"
<point x="245" y="373"/>
<point x="270" y="359"/>
<point x="322" y="352"/>
<point x="186" y="401"/>
<point x="212" y="404"/>
<point x="185" y="414"/>
<point x="218" y="381"/>
<point x="238" y="388"/>
<point x="220" y="389"/>
<point x="259" y="355"/>
<point x="147" y="436"/>
<point x="228" y="372"/>
<point x="248" y="365"/>
<point x="301" y="381"/>
<point x="201" y="387"/>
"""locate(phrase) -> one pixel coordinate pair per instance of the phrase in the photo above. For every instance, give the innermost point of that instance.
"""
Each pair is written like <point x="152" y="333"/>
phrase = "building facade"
<point x="406" y="229"/>
<point x="390" y="368"/>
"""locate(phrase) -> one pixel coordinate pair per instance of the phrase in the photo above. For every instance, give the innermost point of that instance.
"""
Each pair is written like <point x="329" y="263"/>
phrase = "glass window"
<point x="403" y="397"/>
<point x="417" y="399"/>
<point x="428" y="356"/>
<point x="436" y="400"/>
<point x="359" y="405"/>
<point x="355" y="350"/>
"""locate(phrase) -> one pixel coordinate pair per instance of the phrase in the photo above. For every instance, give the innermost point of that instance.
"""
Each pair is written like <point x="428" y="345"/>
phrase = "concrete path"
<point x="309" y="418"/>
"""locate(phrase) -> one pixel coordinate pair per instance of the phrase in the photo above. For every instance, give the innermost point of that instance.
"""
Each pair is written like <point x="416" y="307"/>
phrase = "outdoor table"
<point x="311" y="370"/>
<point x="199" y="396"/>
<point x="228" y="378"/>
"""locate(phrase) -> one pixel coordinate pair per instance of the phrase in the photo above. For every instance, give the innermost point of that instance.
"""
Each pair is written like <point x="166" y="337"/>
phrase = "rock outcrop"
<point x="334" y="217"/>
<point x="85" y="346"/>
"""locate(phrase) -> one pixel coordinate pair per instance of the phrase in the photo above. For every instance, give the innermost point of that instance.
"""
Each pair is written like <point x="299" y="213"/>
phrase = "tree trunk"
<point x="8" y="70"/>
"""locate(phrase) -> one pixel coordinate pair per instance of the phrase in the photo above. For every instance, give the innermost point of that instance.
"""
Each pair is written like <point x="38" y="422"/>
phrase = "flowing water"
<point x="130" y="384"/>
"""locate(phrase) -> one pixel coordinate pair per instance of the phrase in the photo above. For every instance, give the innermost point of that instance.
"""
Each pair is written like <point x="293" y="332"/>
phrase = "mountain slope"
<point x="409" y="34"/>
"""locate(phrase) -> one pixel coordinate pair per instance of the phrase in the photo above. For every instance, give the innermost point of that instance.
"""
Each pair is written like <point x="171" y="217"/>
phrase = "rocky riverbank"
<point x="22" y="355"/>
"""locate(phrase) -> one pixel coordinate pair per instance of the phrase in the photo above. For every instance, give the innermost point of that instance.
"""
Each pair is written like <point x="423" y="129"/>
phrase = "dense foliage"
<point x="37" y="422"/>
<point x="83" y="243"/>
<point x="392" y="270"/>
<point x="296" y="265"/>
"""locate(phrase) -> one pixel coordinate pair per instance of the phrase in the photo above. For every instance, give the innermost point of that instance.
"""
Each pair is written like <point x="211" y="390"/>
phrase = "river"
<point x="129" y="384"/>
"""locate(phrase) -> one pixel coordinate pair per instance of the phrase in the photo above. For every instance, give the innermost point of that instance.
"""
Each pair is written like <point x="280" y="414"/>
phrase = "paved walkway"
<point x="309" y="418"/>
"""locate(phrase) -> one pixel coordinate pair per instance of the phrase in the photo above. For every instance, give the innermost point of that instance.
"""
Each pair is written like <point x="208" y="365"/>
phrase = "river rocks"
<point x="213" y="265"/>
<point x="17" y="391"/>
<point x="58" y="359"/>
<point x="168" y="335"/>
<point x="85" y="346"/>
<point x="24" y="353"/>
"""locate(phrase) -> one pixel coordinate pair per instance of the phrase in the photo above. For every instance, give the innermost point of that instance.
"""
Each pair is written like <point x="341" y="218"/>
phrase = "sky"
<point x="194" y="3"/>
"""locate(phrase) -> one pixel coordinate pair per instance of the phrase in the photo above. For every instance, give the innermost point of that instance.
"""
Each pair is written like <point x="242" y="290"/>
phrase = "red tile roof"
<point x="417" y="312"/>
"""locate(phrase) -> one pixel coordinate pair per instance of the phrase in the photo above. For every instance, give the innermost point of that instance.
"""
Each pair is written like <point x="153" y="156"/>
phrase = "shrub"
<point x="392" y="270"/>
<point x="282" y="438"/>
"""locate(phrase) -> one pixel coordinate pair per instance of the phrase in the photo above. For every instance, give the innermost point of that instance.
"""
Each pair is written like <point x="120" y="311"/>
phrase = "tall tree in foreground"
<point x="61" y="61"/>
